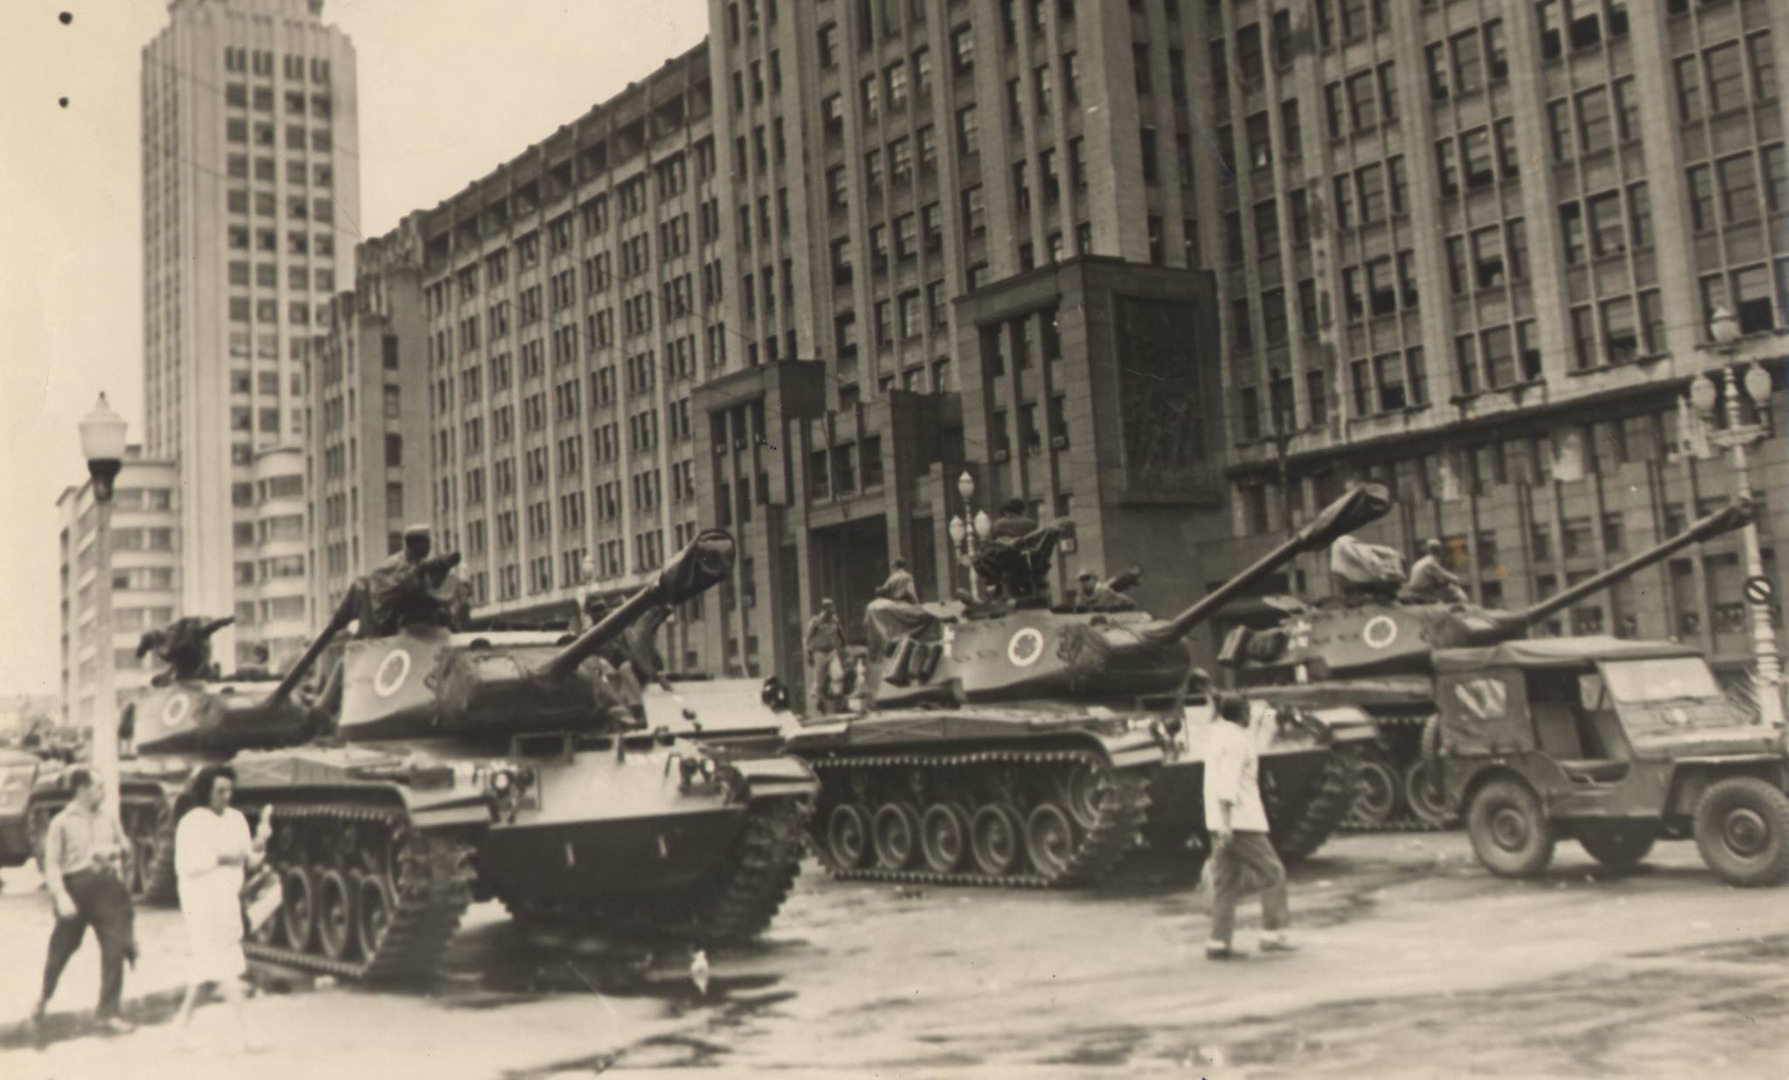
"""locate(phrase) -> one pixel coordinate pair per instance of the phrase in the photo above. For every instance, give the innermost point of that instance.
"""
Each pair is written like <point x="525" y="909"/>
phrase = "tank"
<point x="463" y="766"/>
<point x="1378" y="656"/>
<point x="1013" y="744"/>
<point x="18" y="774"/>
<point x="188" y="717"/>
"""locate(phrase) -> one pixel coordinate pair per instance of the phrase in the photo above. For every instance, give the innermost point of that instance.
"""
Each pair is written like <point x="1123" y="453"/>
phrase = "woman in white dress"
<point x="212" y="848"/>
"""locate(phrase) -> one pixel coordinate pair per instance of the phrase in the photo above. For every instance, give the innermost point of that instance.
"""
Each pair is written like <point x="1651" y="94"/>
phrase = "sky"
<point x="449" y="89"/>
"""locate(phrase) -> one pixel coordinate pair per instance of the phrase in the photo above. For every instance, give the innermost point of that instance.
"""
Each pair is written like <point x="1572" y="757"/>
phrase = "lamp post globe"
<point x="102" y="444"/>
<point x="983" y="524"/>
<point x="957" y="529"/>
<point x="1703" y="395"/>
<point x="1723" y="328"/>
<point x="1758" y="385"/>
<point x="966" y="486"/>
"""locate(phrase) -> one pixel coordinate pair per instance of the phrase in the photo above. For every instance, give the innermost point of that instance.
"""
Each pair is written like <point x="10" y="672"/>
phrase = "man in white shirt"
<point x="1240" y="848"/>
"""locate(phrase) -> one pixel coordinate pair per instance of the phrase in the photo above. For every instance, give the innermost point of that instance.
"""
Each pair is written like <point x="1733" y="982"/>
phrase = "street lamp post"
<point x="1724" y="330"/>
<point x="102" y="444"/>
<point x="967" y="528"/>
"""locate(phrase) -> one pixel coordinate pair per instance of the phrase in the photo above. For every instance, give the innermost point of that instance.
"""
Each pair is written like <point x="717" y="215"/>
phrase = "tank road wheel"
<point x="1742" y="827"/>
<point x="373" y="905"/>
<point x="847" y="836"/>
<point x="994" y="839"/>
<point x="334" y="904"/>
<point x="896" y="835"/>
<point x="298" y="913"/>
<point x="1510" y="832"/>
<point x="944" y="836"/>
<point x="1619" y="845"/>
<point x="1083" y="792"/>
<point x="1422" y="794"/>
<point x="1049" y="840"/>
<point x="1378" y="799"/>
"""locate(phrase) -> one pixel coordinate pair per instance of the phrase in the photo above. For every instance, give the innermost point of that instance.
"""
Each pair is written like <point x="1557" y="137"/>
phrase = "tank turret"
<point x="1017" y="653"/>
<point x="191" y="710"/>
<point x="1331" y="642"/>
<point x="429" y="682"/>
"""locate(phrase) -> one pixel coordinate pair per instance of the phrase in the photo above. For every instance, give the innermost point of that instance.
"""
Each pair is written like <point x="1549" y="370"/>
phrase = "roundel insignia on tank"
<point x="1380" y="631"/>
<point x="393" y="670"/>
<point x="1025" y="647"/>
<point x="176" y="709"/>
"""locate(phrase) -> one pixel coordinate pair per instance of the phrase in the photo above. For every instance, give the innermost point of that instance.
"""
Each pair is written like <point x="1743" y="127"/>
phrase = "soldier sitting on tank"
<point x="184" y="645"/>
<point x="409" y="588"/>
<point x="1015" y="566"/>
<point x="609" y="695"/>
<point x="1430" y="582"/>
<point x="257" y="667"/>
<point x="1095" y="595"/>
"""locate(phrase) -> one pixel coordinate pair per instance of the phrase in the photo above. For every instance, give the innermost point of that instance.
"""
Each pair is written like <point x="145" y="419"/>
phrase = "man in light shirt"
<point x="1240" y="849"/>
<point x="82" y="854"/>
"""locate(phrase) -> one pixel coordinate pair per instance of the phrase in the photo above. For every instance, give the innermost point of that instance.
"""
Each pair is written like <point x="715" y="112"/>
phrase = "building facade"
<point x="250" y="189"/>
<point x="144" y="582"/>
<point x="367" y="463"/>
<point x="570" y="305"/>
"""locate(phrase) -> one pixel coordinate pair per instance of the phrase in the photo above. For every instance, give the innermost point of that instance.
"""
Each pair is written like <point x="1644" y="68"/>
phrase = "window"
<point x="1595" y="127"/>
<point x="1726" y="78"/>
<point x="1469" y="75"/>
<point x="1738" y="179"/>
<point x="1764" y="69"/>
<point x="1607" y="235"/>
<point x="1151" y="171"/>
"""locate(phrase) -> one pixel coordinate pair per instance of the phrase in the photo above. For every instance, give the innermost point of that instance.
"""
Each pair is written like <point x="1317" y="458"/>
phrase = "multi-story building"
<point x="367" y="465"/>
<point x="250" y="187"/>
<point x="1472" y="251"/>
<point x="570" y="305"/>
<point x="144" y="581"/>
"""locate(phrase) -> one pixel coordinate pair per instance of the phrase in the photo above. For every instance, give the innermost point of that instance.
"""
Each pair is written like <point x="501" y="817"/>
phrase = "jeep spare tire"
<point x="1742" y="827"/>
<point x="1510" y="832"/>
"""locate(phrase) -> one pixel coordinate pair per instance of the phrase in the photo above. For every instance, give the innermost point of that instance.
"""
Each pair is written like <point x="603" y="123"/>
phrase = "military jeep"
<point x="1612" y="743"/>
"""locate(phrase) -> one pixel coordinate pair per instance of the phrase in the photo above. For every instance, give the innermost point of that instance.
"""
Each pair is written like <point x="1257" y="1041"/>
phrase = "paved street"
<point x="1415" y="964"/>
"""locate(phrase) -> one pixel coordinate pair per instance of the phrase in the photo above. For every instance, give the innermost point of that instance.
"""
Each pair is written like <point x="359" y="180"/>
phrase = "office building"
<point x="250" y="189"/>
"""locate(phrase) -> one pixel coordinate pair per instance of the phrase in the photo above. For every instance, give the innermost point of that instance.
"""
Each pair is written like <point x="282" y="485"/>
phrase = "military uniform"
<point x="824" y="640"/>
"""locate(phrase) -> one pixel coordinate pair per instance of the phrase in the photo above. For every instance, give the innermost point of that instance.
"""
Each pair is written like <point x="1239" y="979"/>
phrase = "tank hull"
<point x="18" y="775"/>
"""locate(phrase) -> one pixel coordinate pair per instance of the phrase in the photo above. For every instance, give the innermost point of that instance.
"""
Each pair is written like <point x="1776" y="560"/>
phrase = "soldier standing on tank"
<point x="610" y="698"/>
<point x="1013" y="523"/>
<point x="1240" y="848"/>
<point x="899" y="585"/>
<point x="824" y="640"/>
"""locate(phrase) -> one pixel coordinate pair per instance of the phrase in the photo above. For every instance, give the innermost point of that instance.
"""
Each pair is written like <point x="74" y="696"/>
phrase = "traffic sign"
<point x="1760" y="589"/>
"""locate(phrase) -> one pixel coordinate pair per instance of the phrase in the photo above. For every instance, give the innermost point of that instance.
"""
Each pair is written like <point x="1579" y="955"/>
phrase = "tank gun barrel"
<point x="344" y="614"/>
<point x="705" y="563"/>
<point x="1362" y="505"/>
<point x="1734" y="515"/>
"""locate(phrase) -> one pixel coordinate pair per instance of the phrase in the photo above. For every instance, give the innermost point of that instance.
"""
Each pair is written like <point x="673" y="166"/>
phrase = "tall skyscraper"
<point x="250" y="195"/>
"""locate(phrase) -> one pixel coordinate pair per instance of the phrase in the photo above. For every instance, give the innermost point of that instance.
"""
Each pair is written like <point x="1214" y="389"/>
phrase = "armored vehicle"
<point x="188" y="717"/>
<point x="18" y="772"/>
<point x="1015" y="744"/>
<point x="1615" y="744"/>
<point x="1379" y="656"/>
<point x="464" y="766"/>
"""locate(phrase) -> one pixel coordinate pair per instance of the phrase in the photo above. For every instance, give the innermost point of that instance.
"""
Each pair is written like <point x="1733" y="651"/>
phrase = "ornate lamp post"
<point x="966" y="528"/>
<point x="1723" y="329"/>
<point x="102" y="444"/>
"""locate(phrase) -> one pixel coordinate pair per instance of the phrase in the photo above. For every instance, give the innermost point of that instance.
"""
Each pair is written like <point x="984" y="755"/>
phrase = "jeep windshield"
<point x="1673" y="680"/>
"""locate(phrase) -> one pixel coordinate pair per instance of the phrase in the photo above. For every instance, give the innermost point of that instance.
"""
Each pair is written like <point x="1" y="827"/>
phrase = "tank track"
<point x="1311" y="823"/>
<point x="429" y="881"/>
<point x="1401" y="819"/>
<point x="1117" y="830"/>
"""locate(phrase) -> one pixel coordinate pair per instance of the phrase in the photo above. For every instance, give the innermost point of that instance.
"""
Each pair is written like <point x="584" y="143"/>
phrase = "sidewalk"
<point x="25" y="924"/>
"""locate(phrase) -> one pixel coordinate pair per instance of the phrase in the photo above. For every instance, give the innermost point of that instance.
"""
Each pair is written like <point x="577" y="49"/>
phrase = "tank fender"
<point x="779" y="777"/>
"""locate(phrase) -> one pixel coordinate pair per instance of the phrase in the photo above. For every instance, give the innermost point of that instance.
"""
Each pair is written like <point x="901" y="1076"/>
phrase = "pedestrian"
<point x="899" y="585"/>
<point x="822" y="641"/>
<point x="83" y="855"/>
<point x="1240" y="848"/>
<point x="212" y="849"/>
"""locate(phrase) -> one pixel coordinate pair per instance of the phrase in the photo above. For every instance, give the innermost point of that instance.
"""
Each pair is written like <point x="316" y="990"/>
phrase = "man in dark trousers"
<point x="823" y="641"/>
<point x="1240" y="848"/>
<point x="82" y="857"/>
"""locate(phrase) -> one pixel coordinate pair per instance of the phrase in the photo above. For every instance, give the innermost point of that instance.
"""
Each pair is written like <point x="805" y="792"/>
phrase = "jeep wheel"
<point x="1619" y="845"/>
<point x="1742" y="827"/>
<point x="1510" y="833"/>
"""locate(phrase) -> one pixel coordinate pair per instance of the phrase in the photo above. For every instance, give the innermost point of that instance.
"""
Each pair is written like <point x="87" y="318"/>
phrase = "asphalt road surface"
<point x="1414" y="963"/>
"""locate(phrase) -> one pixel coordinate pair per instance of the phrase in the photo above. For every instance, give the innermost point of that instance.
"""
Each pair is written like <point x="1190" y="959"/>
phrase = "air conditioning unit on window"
<point x="1003" y="455"/>
<point x="1066" y="545"/>
<point x="720" y="449"/>
<point x="1059" y="442"/>
<point x="750" y="600"/>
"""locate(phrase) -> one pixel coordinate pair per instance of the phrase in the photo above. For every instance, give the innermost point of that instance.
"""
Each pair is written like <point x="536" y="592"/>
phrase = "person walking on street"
<point x="212" y="849"/>
<point x="1239" y="845"/>
<point x="824" y="640"/>
<point x="83" y="855"/>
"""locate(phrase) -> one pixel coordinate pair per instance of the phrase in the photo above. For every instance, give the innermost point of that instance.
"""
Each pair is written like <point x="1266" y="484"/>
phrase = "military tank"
<point x="18" y="774"/>
<point x="1377" y="654"/>
<point x="186" y="719"/>
<point x="1012" y="744"/>
<point x="464" y="766"/>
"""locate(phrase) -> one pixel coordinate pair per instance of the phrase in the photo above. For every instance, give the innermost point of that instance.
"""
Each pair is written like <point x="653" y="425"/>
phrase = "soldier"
<point x="1013" y="523"/>
<point x="1095" y="596"/>
<point x="609" y="697"/>
<point x="824" y="640"/>
<point x="407" y="587"/>
<point x="256" y="668"/>
<point x="1430" y="582"/>
<point x="899" y="585"/>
